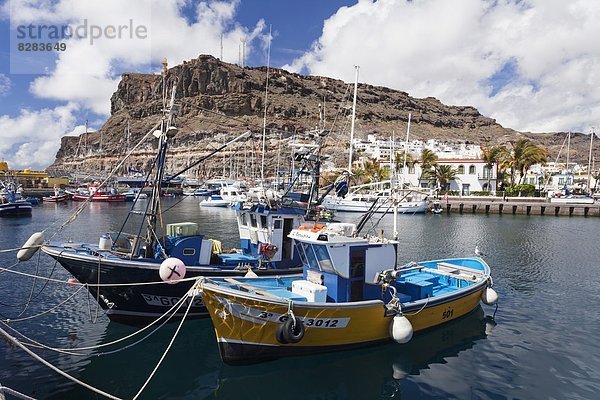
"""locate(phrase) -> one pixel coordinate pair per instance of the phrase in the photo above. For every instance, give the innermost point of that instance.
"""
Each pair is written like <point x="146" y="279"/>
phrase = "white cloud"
<point x="451" y="50"/>
<point x="31" y="139"/>
<point x="5" y="85"/>
<point x="88" y="73"/>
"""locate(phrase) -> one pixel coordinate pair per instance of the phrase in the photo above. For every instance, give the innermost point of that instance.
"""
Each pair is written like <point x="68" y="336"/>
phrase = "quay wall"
<point x="519" y="206"/>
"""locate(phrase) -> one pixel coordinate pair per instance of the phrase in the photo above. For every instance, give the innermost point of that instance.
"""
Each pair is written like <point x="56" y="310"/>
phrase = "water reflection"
<point x="354" y="374"/>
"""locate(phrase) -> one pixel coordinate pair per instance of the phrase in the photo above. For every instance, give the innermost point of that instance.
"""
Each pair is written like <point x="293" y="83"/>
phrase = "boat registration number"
<point x="325" y="322"/>
<point x="166" y="301"/>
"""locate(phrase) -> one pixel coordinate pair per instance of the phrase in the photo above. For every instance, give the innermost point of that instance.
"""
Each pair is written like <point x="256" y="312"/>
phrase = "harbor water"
<point x="542" y="343"/>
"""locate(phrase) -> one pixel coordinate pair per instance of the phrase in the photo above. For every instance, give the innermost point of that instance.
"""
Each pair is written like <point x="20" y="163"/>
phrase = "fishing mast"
<point x="264" y="137"/>
<point x="167" y="131"/>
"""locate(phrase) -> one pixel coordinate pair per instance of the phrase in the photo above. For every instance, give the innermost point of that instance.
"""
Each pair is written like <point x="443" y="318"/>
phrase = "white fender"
<point x="489" y="296"/>
<point x="172" y="270"/>
<point x="31" y="246"/>
<point x="401" y="329"/>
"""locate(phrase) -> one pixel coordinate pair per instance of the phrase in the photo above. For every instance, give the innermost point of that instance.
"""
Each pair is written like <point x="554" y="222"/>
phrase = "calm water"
<point x="543" y="344"/>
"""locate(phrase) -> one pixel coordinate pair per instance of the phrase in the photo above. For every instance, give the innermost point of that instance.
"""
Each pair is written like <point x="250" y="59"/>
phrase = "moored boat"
<point x="352" y="294"/>
<point x="11" y="202"/>
<point x="99" y="194"/>
<point x="214" y="201"/>
<point x="58" y="197"/>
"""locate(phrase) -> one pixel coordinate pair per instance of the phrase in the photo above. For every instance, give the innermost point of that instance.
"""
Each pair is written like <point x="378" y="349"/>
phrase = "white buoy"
<point x="489" y="296"/>
<point x="172" y="270"/>
<point x="401" y="329"/>
<point x="31" y="246"/>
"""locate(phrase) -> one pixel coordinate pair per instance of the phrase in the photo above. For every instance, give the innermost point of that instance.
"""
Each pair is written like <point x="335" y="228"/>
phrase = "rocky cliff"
<point x="220" y="101"/>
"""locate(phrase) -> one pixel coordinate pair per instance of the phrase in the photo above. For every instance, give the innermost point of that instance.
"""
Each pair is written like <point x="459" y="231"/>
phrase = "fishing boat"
<point x="128" y="275"/>
<point x="214" y="201"/>
<point x="11" y="202"/>
<point x="58" y="197"/>
<point x="352" y="294"/>
<point x="99" y="194"/>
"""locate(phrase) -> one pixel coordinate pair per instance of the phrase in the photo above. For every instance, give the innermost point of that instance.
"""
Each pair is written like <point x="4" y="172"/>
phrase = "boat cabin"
<point x="347" y="266"/>
<point x="264" y="231"/>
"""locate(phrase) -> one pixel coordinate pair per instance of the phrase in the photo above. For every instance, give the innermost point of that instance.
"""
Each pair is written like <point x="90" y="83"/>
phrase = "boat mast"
<point x="406" y="151"/>
<point x="589" y="178"/>
<point x="264" y="137"/>
<point x="356" y="68"/>
<point x="166" y="132"/>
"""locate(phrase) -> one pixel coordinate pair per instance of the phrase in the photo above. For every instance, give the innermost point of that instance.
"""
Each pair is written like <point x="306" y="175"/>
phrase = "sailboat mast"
<point x="589" y="177"/>
<point x="356" y="67"/>
<point x="406" y="150"/>
<point x="568" y="153"/>
<point x="264" y="137"/>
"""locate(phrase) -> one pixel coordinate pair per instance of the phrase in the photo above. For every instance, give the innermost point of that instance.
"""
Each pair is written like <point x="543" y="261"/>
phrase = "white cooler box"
<point x="313" y="292"/>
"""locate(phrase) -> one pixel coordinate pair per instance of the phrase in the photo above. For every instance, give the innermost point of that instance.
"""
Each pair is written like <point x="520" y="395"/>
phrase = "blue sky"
<point x="533" y="65"/>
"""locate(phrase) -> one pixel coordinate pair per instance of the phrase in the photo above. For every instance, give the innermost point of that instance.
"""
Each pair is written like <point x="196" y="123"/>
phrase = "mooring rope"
<point x="94" y="284"/>
<point x="169" y="314"/>
<point x="7" y="320"/>
<point x="166" y="350"/>
<point x="16" y="342"/>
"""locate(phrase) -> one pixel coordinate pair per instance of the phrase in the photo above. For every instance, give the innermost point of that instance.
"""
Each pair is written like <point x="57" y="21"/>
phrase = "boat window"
<point x="263" y="221"/>
<point x="310" y="256"/>
<point x="300" y="250"/>
<point x="247" y="219"/>
<point x="242" y="219"/>
<point x="253" y="221"/>
<point x="323" y="258"/>
<point x="188" y="251"/>
<point x="277" y="224"/>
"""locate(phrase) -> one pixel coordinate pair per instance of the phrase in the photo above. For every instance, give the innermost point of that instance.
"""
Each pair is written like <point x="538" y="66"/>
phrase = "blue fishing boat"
<point x="11" y="202"/>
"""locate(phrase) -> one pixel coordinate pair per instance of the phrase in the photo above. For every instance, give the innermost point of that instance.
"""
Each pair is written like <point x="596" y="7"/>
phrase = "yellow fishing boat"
<point x="352" y="294"/>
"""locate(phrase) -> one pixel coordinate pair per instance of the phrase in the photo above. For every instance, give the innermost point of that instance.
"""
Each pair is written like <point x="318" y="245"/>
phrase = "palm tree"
<point x="443" y="174"/>
<point x="399" y="162"/>
<point x="428" y="162"/>
<point x="521" y="156"/>
<point x="492" y="156"/>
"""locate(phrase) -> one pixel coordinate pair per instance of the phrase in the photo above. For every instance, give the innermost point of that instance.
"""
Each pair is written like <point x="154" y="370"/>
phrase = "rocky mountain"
<point x="220" y="101"/>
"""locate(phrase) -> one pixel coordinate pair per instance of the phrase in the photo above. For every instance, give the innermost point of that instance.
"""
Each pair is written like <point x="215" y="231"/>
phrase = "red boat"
<point x="99" y="194"/>
<point x="59" y="196"/>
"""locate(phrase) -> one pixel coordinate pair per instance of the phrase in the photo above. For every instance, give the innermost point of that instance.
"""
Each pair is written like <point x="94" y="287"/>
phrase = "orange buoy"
<point x="72" y="281"/>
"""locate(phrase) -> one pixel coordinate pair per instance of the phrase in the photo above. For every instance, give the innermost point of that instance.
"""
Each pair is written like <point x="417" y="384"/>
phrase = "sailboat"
<point x="127" y="273"/>
<point x="398" y="200"/>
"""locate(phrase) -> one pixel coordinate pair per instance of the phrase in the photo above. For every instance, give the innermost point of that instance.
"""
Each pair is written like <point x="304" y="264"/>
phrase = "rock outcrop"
<point x="220" y="101"/>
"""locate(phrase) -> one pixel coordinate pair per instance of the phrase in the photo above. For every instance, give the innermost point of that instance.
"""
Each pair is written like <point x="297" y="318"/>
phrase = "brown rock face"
<point x="220" y="101"/>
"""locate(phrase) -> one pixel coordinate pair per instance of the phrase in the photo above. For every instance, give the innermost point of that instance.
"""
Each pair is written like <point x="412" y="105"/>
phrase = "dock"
<point x="516" y="206"/>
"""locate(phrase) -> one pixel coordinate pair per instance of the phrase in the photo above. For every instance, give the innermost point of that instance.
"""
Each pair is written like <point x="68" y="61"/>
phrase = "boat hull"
<point x="16" y="209"/>
<point x="100" y="198"/>
<point x="56" y="199"/>
<point x="132" y="291"/>
<point x="364" y="206"/>
<point x="246" y="326"/>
